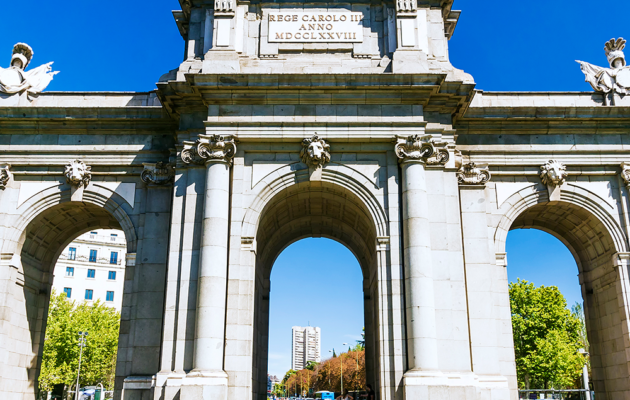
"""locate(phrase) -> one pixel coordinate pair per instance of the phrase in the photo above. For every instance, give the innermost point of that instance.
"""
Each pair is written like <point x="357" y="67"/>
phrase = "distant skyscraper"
<point x="306" y="346"/>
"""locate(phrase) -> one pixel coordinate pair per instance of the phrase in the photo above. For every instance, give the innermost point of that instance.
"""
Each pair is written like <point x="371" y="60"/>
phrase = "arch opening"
<point x="41" y="242"/>
<point x="314" y="210"/>
<point x="592" y="245"/>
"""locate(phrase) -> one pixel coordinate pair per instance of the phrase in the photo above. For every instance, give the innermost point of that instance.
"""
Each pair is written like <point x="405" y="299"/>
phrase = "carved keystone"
<point x="78" y="174"/>
<point x="315" y="154"/>
<point x="553" y="174"/>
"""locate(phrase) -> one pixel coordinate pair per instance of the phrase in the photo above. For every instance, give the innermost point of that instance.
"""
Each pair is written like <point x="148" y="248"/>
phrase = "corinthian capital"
<point x="415" y="147"/>
<point x="159" y="173"/>
<point x="208" y="149"/>
<point x="625" y="173"/>
<point x="5" y="175"/>
<point x="471" y="174"/>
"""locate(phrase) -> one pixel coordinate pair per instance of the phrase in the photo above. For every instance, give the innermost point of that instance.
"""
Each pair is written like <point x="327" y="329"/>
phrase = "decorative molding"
<point x="625" y="173"/>
<point x="224" y="7"/>
<point x="78" y="174"/>
<point x="208" y="149"/>
<point x="553" y="173"/>
<point x="315" y="152"/>
<point x="159" y="173"/>
<point x="5" y="175"/>
<point x="406" y="7"/>
<point x="415" y="147"/>
<point x="470" y="174"/>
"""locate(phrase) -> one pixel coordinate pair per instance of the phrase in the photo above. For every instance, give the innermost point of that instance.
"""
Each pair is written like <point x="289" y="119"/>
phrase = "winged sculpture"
<point x="615" y="79"/>
<point x="15" y="80"/>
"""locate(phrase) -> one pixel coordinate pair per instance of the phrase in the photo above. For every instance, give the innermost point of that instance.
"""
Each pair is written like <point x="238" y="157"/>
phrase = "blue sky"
<point x="506" y="45"/>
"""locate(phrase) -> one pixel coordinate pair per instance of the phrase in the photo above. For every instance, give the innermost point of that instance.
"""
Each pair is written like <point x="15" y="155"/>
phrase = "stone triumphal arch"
<point x="314" y="119"/>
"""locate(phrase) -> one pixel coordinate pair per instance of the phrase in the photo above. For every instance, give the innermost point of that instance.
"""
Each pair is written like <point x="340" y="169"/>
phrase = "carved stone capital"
<point x="625" y="173"/>
<point x="406" y="7"/>
<point x="553" y="173"/>
<point x="471" y="174"/>
<point x="315" y="152"/>
<point x="224" y="7"/>
<point x="78" y="174"/>
<point x="415" y="147"/>
<point x="5" y="175"/>
<point x="159" y="173"/>
<point x="213" y="148"/>
<point x="440" y="154"/>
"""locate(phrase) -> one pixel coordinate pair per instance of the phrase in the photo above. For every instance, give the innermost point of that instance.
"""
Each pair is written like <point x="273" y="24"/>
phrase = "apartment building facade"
<point x="92" y="268"/>
<point x="306" y="346"/>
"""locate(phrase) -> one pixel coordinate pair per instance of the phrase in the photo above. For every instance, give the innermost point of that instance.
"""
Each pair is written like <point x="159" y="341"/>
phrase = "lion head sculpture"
<point x="553" y="173"/>
<point x="315" y="152"/>
<point x="78" y="174"/>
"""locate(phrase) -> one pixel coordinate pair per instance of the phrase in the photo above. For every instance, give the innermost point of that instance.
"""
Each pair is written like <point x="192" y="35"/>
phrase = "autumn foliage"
<point x="327" y="375"/>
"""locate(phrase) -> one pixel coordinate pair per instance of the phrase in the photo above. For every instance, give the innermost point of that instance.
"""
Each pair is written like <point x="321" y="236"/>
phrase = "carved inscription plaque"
<point x="313" y="27"/>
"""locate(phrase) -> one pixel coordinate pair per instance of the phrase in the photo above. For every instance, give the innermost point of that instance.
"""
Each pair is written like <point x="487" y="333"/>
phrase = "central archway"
<point x="314" y="209"/>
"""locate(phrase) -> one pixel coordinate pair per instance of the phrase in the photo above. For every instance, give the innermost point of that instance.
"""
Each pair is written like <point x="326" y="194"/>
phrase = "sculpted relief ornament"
<point x="209" y="148"/>
<point x="315" y="152"/>
<point x="14" y="80"/>
<point x="78" y="174"/>
<point x="615" y="79"/>
<point x="159" y="173"/>
<point x="471" y="174"/>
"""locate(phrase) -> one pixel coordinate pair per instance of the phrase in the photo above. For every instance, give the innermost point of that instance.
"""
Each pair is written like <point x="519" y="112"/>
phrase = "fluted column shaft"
<point x="420" y="300"/>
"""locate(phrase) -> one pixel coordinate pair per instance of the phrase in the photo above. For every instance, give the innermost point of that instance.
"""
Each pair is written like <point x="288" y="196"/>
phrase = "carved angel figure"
<point x="15" y="80"/>
<point x="613" y="79"/>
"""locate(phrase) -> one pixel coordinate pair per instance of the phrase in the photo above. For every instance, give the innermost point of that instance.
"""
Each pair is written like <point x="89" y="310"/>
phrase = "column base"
<point x="436" y="385"/>
<point x="204" y="385"/>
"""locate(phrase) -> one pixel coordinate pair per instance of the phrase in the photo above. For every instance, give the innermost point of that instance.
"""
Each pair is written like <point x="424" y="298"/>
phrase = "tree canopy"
<point x="61" y="351"/>
<point x="547" y="337"/>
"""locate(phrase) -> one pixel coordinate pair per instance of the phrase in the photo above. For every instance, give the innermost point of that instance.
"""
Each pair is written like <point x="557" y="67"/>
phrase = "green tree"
<point x="61" y="351"/>
<point x="311" y="365"/>
<point x="546" y="337"/>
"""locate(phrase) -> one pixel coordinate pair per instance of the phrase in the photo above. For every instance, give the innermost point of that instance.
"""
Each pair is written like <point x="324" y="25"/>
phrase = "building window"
<point x="72" y="253"/>
<point x="109" y="296"/>
<point x="91" y="273"/>
<point x="88" y="294"/>
<point x="68" y="292"/>
<point x="92" y="255"/>
<point x="113" y="257"/>
<point x="112" y="275"/>
<point x="93" y="235"/>
<point x="69" y="271"/>
<point x="114" y="237"/>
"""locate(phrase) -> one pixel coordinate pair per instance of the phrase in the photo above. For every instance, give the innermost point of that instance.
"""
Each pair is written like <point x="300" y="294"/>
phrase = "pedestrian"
<point x="370" y="392"/>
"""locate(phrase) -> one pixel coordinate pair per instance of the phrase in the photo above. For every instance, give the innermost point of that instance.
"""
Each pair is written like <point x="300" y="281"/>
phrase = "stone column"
<point x="420" y="301"/>
<point x="217" y="153"/>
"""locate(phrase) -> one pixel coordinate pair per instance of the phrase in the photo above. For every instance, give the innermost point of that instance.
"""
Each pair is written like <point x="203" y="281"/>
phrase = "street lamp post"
<point x="585" y="374"/>
<point x="82" y="343"/>
<point x="341" y="363"/>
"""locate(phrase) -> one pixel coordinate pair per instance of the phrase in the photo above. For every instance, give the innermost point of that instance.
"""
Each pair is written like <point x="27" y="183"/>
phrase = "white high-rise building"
<point x="93" y="267"/>
<point x="307" y="346"/>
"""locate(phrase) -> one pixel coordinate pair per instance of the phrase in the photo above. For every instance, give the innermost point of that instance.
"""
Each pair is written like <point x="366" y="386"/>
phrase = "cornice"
<point x="432" y="91"/>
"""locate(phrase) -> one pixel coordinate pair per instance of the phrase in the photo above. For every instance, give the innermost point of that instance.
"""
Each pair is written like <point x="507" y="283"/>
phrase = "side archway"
<point x="44" y="225"/>
<point x="586" y="226"/>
